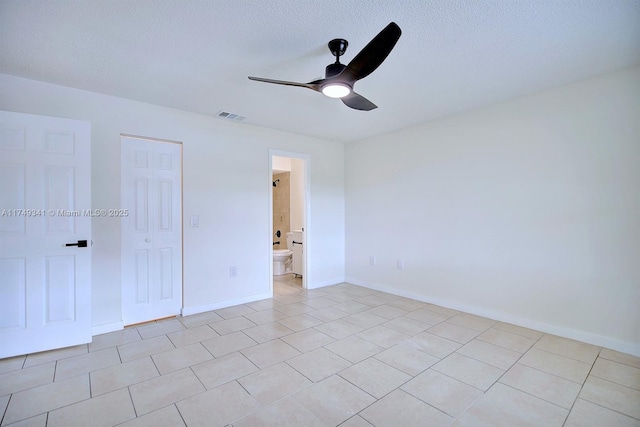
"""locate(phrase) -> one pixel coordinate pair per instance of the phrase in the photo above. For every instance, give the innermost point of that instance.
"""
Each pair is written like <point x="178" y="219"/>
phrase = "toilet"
<point x="281" y="261"/>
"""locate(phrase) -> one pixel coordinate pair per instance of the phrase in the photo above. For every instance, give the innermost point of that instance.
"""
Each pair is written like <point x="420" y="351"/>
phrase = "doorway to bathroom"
<point x="288" y="212"/>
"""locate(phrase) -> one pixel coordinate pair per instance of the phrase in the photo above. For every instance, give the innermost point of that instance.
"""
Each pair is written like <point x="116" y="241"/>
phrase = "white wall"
<point x="226" y="182"/>
<point x="527" y="211"/>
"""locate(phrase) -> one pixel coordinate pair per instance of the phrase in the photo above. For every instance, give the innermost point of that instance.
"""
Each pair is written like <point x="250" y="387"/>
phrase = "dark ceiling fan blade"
<point x="313" y="85"/>
<point x="338" y="75"/>
<point x="373" y="54"/>
<point x="358" y="102"/>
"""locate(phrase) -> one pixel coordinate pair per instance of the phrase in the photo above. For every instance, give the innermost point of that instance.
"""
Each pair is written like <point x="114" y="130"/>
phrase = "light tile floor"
<point x="339" y="355"/>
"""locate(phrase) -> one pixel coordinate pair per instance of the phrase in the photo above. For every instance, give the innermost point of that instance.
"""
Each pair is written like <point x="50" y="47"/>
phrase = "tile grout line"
<point x="614" y="383"/>
<point x="616" y="361"/>
<point x="483" y="392"/>
<point x="179" y="413"/>
<point x="498" y="379"/>
<point x="277" y="400"/>
<point x="135" y="411"/>
<point x="536" y="397"/>
<point x="386" y="394"/>
<point x="609" y="409"/>
<point x="567" y="357"/>
<point x="4" y="413"/>
<point x="55" y="371"/>
<point x="397" y="388"/>
<point x="514" y="363"/>
<point x="59" y="407"/>
<point x="552" y="374"/>
<point x="90" y="391"/>
<point x="581" y="385"/>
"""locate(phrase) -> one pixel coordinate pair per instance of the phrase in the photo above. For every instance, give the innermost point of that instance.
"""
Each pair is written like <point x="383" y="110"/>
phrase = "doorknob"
<point x="147" y="240"/>
<point x="80" y="244"/>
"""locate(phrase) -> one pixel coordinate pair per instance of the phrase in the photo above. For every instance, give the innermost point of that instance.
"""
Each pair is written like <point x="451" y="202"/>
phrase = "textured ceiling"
<point x="195" y="55"/>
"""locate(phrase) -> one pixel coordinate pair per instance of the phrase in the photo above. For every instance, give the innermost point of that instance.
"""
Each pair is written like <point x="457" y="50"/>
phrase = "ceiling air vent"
<point x="230" y="116"/>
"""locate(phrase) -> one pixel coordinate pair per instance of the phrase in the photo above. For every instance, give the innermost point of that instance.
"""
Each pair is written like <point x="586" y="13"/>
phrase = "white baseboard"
<point x="325" y="283"/>
<point x="187" y="311"/>
<point x="587" y="337"/>
<point x="106" y="328"/>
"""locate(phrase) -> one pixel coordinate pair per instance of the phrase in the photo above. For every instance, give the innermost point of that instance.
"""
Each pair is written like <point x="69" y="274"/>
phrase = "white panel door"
<point x="152" y="232"/>
<point x="45" y="204"/>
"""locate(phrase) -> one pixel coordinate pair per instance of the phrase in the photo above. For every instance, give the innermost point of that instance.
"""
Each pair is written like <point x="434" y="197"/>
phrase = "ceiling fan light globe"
<point x="336" y="90"/>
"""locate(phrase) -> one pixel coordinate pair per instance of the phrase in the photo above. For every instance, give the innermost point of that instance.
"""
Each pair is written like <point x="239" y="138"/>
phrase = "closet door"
<point x="151" y="230"/>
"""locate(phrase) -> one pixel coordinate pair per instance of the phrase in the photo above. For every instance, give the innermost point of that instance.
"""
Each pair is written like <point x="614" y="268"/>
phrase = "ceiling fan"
<point x="340" y="79"/>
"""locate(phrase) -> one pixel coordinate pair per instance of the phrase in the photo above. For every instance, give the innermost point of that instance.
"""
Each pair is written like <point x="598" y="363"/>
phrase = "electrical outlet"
<point x="233" y="271"/>
<point x="400" y="264"/>
<point x="372" y="260"/>
<point x="195" y="221"/>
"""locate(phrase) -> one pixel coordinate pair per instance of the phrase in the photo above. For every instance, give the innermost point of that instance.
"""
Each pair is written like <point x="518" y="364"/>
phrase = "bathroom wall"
<point x="281" y="208"/>
<point x="297" y="194"/>
<point x="296" y="189"/>
<point x="280" y="164"/>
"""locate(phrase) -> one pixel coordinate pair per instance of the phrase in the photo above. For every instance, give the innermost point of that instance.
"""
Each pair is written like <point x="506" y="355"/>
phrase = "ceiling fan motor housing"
<point x="333" y="69"/>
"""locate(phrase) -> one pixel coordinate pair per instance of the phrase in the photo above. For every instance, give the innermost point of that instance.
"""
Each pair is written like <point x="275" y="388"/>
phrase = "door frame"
<point x="306" y="158"/>
<point x="181" y="209"/>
